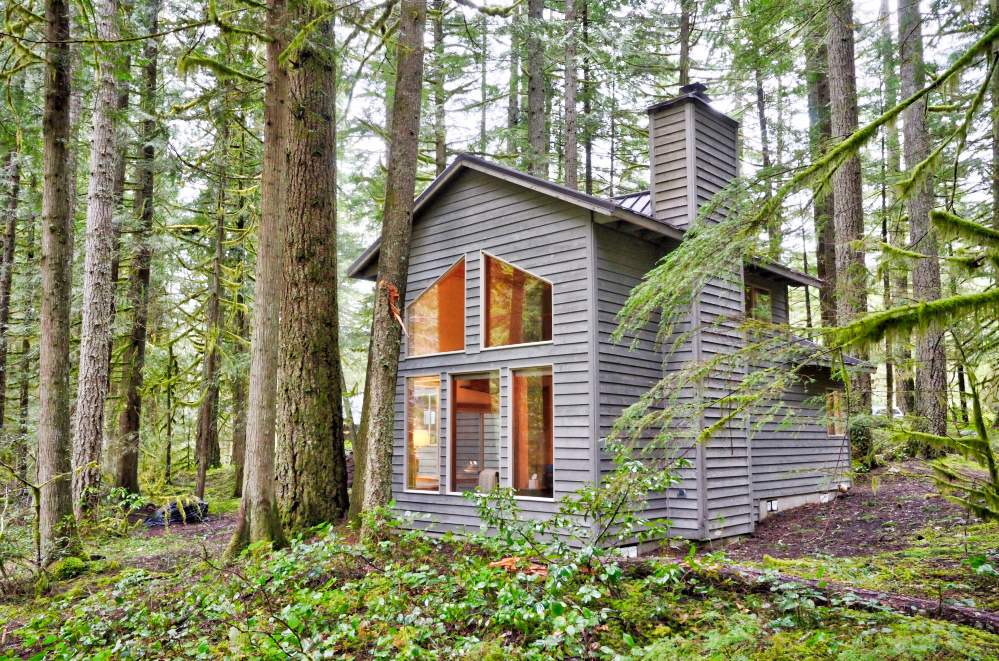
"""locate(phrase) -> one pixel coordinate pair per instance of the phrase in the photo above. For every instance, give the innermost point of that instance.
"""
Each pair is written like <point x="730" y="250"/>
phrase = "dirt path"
<point x="882" y="513"/>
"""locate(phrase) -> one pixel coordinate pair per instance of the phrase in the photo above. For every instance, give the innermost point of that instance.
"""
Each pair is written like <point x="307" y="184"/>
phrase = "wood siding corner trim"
<point x="690" y="140"/>
<point x="591" y="251"/>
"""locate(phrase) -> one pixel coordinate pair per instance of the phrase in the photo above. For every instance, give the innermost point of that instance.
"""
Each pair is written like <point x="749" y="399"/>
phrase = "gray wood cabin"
<point x="523" y="386"/>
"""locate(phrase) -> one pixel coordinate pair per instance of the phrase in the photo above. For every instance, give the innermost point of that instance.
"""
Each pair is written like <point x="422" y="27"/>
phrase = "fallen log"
<point x="757" y="580"/>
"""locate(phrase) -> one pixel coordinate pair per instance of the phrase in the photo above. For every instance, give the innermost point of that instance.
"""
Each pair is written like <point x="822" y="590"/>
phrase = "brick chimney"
<point x="693" y="154"/>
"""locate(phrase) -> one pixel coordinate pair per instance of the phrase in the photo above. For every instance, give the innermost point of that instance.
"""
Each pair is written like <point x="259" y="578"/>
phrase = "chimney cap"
<point x="695" y="89"/>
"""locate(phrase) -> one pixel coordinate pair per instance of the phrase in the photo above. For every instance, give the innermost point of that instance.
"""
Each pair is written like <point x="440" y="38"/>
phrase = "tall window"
<point x="423" y="394"/>
<point x="533" y="472"/>
<point x="835" y="413"/>
<point x="758" y="303"/>
<point x="518" y="305"/>
<point x="475" y="432"/>
<point x="436" y="319"/>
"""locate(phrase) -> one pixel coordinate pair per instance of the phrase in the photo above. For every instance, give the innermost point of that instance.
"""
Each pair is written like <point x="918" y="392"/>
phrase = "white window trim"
<point x="449" y="456"/>
<point x="405" y="312"/>
<point x="405" y="435"/>
<point x="482" y="303"/>
<point x="509" y="439"/>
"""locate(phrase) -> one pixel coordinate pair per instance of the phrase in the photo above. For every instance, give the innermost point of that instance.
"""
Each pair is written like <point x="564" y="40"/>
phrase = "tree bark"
<point x="127" y="466"/>
<point x="685" y="7"/>
<point x="588" y="88"/>
<point x="311" y="464"/>
<point x="931" y="373"/>
<point x="98" y="291"/>
<point x="239" y="382"/>
<point x="774" y="225"/>
<point x="440" y="128"/>
<point x="56" y="524"/>
<point x="848" y="211"/>
<point x="26" y="357"/>
<point x="513" y="101"/>
<point x="571" y="88"/>
<point x="820" y="124"/>
<point x="207" y="443"/>
<point x="537" y="161"/>
<point x="13" y="168"/>
<point x="393" y="261"/>
<point x="258" y="519"/>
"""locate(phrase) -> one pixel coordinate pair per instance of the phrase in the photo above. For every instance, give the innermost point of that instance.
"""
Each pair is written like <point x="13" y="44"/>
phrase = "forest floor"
<point x="165" y="593"/>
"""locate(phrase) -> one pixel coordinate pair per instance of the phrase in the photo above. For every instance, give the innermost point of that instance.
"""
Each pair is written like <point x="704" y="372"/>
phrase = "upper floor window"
<point x="436" y="319"/>
<point x="758" y="303"/>
<point x="518" y="305"/>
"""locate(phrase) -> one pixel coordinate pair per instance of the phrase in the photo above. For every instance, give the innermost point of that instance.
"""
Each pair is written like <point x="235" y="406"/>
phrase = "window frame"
<point x="839" y="419"/>
<point x="405" y="434"/>
<point x="405" y="313"/>
<point x="510" y="433"/>
<point x="748" y="307"/>
<point x="483" y="304"/>
<point x="452" y="410"/>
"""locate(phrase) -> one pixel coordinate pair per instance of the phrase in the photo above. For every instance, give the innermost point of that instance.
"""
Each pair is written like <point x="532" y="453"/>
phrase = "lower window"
<point x="835" y="415"/>
<point x="475" y="432"/>
<point x="423" y="394"/>
<point x="533" y="466"/>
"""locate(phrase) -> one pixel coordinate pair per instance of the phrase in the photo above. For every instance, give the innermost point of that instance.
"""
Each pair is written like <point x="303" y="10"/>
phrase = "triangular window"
<point x="436" y="319"/>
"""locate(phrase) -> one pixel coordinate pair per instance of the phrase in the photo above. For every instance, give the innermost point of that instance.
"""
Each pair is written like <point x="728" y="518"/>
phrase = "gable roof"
<point x="631" y="212"/>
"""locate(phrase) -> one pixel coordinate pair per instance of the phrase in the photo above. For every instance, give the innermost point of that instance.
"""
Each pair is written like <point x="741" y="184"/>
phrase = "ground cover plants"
<point x="520" y="594"/>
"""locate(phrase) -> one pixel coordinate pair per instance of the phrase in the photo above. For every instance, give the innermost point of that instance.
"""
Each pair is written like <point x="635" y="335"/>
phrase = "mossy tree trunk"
<point x="98" y="288"/>
<point x="258" y="519"/>
<point x="13" y="169"/>
<point x="311" y="466"/>
<point x="393" y="260"/>
<point x="848" y="191"/>
<point x="931" y="371"/>
<point x="537" y="150"/>
<point x="126" y="474"/>
<point x="820" y="132"/>
<point x="56" y="523"/>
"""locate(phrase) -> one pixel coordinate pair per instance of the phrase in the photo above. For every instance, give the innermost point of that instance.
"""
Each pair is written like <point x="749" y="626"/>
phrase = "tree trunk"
<point x="56" y="524"/>
<point x="848" y="211"/>
<point x="685" y="7"/>
<point x="931" y="373"/>
<point x="820" y="132"/>
<point x="440" y="128"/>
<point x="311" y="464"/>
<point x="21" y="450"/>
<point x="98" y="289"/>
<point x="587" y="104"/>
<point x="513" y="102"/>
<point x="537" y="161"/>
<point x="170" y="374"/>
<point x="127" y="469"/>
<point x="393" y="261"/>
<point x="258" y="519"/>
<point x="774" y="225"/>
<point x="207" y="443"/>
<point x="239" y="382"/>
<point x="571" y="88"/>
<point x="13" y="167"/>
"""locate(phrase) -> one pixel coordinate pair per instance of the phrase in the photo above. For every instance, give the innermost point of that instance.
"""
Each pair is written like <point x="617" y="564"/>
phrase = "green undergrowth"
<point x="410" y="596"/>
<point x="943" y="563"/>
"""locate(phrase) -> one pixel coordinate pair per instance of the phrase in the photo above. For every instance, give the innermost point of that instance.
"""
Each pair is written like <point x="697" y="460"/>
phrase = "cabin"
<point x="509" y="377"/>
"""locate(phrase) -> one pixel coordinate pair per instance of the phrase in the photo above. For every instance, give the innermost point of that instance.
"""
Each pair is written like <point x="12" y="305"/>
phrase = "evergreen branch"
<point x="901" y="321"/>
<point x="953" y="225"/>
<point x="189" y="62"/>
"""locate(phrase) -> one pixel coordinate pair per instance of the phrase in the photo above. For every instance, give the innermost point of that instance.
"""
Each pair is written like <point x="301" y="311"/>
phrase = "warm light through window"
<point x="518" y="305"/>
<point x="533" y="465"/>
<point x="436" y="319"/>
<point x="423" y="396"/>
<point x="475" y="421"/>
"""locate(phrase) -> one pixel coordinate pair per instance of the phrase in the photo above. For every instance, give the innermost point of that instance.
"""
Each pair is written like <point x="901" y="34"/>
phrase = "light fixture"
<point x="421" y="438"/>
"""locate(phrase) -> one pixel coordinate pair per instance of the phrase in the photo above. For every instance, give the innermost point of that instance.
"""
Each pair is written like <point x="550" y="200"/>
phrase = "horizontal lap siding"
<point x="626" y="373"/>
<point x="798" y="456"/>
<point x="668" y="156"/>
<point x="547" y="238"/>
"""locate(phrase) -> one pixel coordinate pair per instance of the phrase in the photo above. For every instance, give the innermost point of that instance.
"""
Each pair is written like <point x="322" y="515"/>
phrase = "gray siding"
<point x="669" y="177"/>
<point x="629" y="368"/>
<point x="797" y="456"/>
<point x="548" y="238"/>
<point x="778" y="296"/>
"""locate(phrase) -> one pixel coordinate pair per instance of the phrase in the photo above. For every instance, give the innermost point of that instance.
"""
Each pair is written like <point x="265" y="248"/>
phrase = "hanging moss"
<point x="951" y="225"/>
